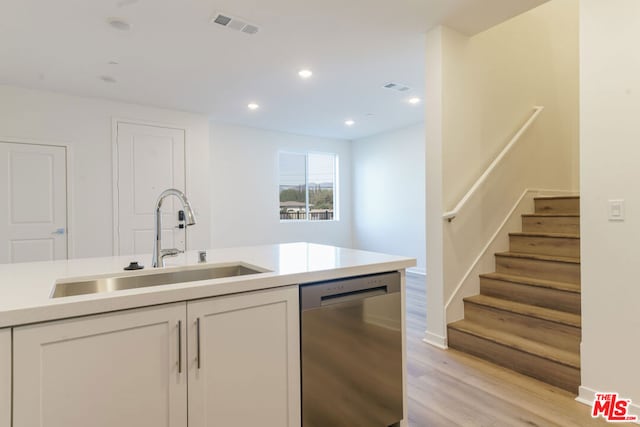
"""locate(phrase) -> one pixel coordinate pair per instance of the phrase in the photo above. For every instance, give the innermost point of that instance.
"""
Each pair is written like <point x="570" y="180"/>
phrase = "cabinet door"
<point x="248" y="370"/>
<point x="5" y="377"/>
<point x="118" y="369"/>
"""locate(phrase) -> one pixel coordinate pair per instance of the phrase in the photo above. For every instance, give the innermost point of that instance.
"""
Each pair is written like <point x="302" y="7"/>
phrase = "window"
<point x="308" y="186"/>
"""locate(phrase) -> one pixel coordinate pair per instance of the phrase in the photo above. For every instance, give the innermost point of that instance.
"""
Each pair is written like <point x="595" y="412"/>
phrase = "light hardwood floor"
<point x="450" y="388"/>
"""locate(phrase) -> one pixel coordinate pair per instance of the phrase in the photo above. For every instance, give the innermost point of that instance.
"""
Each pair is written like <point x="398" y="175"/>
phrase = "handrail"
<point x="450" y="215"/>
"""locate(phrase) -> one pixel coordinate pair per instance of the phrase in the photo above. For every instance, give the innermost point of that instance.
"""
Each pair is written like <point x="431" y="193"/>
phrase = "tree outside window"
<point x="308" y="186"/>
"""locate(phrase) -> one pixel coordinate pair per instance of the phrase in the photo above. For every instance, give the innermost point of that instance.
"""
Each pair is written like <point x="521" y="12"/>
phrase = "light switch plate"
<point x="616" y="210"/>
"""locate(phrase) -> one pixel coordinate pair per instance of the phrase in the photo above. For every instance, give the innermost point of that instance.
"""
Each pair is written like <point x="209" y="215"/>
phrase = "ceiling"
<point x="174" y="57"/>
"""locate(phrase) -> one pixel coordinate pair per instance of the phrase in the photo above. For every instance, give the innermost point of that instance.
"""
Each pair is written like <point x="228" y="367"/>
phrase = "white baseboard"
<point x="435" y="340"/>
<point x="417" y="271"/>
<point x="587" y="395"/>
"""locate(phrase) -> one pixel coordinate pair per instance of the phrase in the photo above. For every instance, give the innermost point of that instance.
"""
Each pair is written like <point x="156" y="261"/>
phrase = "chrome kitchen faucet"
<point x="190" y="219"/>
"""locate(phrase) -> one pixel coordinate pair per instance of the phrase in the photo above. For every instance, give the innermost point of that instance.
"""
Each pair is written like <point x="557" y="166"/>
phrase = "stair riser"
<point x="560" y="206"/>
<point x="531" y="328"/>
<point x="560" y="224"/>
<point x="557" y="246"/>
<point x="559" y="375"/>
<point x="541" y="269"/>
<point x="542" y="297"/>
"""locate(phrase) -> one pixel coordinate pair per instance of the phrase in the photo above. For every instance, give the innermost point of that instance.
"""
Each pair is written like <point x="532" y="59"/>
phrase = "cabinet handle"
<point x="179" y="346"/>
<point x="198" y="340"/>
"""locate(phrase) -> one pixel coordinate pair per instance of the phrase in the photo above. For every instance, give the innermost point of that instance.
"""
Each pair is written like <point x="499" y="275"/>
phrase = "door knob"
<point x="58" y="231"/>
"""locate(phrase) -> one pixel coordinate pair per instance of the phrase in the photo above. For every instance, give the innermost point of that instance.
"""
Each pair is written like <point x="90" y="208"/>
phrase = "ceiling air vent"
<point x="396" y="86"/>
<point x="222" y="20"/>
<point x="250" y="29"/>
<point x="234" y="23"/>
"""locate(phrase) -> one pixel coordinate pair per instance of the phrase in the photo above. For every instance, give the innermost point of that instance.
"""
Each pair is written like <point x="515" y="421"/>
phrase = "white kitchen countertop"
<point x="25" y="289"/>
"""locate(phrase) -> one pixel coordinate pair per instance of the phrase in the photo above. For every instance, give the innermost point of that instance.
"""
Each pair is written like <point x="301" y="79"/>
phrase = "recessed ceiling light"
<point x="305" y="74"/>
<point x="253" y="106"/>
<point x="118" y="24"/>
<point x="414" y="100"/>
<point x="107" y="79"/>
<point x="349" y="122"/>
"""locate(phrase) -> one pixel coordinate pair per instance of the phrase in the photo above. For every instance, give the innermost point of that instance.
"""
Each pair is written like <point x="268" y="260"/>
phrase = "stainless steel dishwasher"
<point x="351" y="345"/>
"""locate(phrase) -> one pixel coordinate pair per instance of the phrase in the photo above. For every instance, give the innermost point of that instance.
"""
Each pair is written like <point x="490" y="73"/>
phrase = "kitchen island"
<point x="222" y="351"/>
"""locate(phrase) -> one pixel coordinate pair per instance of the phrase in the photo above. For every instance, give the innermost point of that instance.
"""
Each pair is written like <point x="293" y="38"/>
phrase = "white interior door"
<point x="33" y="193"/>
<point x="150" y="160"/>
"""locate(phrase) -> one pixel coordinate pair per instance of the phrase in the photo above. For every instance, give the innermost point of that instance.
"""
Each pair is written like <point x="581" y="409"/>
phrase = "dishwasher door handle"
<point x="318" y="294"/>
<point x="352" y="296"/>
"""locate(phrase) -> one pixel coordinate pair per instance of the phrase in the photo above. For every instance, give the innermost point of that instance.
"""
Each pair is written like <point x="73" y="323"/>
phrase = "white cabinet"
<point x="248" y="370"/>
<point x="240" y="354"/>
<point x="5" y="377"/>
<point x="119" y="369"/>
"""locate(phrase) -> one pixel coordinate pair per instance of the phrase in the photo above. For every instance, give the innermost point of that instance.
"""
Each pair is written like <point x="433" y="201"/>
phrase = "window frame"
<point x="336" y="180"/>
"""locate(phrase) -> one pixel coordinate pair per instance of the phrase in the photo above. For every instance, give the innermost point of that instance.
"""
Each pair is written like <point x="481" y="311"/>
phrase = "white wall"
<point x="244" y="188"/>
<point x="435" y="333"/>
<point x="388" y="193"/>
<point x="610" y="155"/>
<point x="488" y="85"/>
<point x="85" y="126"/>
<point x="493" y="80"/>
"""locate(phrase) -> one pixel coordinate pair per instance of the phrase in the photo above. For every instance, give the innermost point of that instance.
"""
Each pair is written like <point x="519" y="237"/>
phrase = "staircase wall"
<point x="481" y="90"/>
<point x="610" y="131"/>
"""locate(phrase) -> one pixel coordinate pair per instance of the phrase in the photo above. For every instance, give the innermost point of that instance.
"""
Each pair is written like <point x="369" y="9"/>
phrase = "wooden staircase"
<point x="527" y="316"/>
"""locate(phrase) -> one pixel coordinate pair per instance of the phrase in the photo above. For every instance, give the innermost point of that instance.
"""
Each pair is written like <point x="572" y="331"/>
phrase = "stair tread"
<point x="552" y="215"/>
<point x="544" y="234"/>
<point x="510" y="340"/>
<point x="569" y="260"/>
<point x="548" y="314"/>
<point x="555" y="197"/>
<point x="532" y="281"/>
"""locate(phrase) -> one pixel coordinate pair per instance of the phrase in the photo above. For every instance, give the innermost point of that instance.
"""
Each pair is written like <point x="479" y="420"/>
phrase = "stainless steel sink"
<point x="118" y="283"/>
